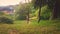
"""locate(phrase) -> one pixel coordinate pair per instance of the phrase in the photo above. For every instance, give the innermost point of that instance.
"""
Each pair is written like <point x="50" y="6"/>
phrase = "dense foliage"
<point x="6" y="20"/>
<point x="45" y="12"/>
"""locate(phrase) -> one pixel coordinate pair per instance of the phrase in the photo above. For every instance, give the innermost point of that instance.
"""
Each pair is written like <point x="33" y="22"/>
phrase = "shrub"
<point x="45" y="13"/>
<point x="21" y="17"/>
<point x="6" y="20"/>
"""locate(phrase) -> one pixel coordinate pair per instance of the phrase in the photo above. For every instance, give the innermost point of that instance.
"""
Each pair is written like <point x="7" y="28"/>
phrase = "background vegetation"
<point x="31" y="18"/>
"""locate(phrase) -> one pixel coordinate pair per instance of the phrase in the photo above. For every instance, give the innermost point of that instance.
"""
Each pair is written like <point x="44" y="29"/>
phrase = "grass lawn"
<point x="21" y="27"/>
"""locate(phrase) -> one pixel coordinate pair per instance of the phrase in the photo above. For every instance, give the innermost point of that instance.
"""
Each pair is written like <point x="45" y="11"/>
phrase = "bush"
<point x="45" y="13"/>
<point x="21" y="17"/>
<point x="44" y="18"/>
<point x="6" y="20"/>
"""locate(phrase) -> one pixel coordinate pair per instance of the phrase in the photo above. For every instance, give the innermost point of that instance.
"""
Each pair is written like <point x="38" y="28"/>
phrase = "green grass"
<point x="21" y="27"/>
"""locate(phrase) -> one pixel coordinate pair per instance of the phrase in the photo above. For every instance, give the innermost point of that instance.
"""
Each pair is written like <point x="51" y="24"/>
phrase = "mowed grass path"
<point x="21" y="27"/>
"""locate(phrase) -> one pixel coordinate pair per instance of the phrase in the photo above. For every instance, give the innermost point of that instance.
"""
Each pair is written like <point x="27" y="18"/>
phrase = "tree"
<point x="52" y="4"/>
<point x="24" y="10"/>
<point x="56" y="12"/>
<point x="38" y="5"/>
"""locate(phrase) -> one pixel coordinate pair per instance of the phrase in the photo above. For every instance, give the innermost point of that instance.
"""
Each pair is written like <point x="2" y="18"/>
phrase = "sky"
<point x="10" y="2"/>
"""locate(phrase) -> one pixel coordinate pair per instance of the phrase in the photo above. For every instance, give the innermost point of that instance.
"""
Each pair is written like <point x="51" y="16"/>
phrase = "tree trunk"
<point x="40" y="5"/>
<point x="28" y="17"/>
<point x="56" y="12"/>
<point x="39" y="14"/>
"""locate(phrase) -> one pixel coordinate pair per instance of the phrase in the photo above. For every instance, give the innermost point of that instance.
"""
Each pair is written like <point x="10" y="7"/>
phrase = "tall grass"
<point x="21" y="27"/>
